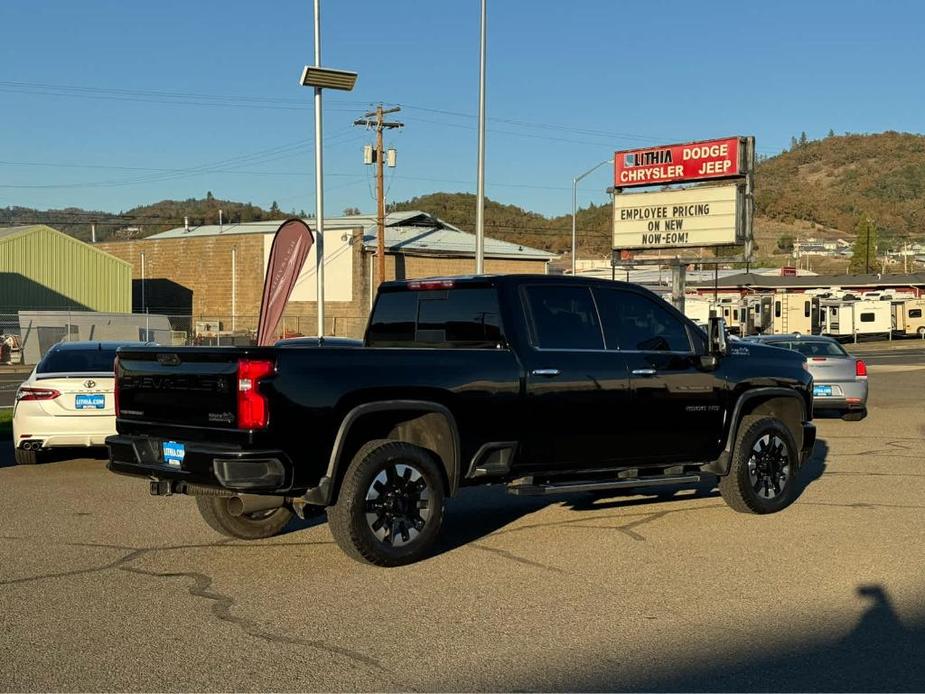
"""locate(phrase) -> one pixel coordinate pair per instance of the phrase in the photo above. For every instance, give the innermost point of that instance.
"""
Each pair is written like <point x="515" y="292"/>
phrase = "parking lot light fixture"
<point x="328" y="78"/>
<point x="321" y="78"/>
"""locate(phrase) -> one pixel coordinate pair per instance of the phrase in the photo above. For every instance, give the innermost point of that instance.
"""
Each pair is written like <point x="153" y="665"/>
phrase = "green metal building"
<point x="42" y="268"/>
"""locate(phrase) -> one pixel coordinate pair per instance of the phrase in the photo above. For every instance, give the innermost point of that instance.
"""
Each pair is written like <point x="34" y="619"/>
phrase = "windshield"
<point x="813" y="348"/>
<point x="88" y="360"/>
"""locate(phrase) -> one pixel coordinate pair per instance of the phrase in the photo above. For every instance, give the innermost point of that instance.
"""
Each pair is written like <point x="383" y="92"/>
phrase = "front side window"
<point x="915" y="313"/>
<point x="563" y="317"/>
<point x="806" y="308"/>
<point x="634" y="322"/>
<point x="777" y="309"/>
<point x="867" y="317"/>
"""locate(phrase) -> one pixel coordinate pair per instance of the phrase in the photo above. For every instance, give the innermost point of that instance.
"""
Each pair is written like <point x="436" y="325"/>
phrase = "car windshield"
<point x="90" y="360"/>
<point x="813" y="348"/>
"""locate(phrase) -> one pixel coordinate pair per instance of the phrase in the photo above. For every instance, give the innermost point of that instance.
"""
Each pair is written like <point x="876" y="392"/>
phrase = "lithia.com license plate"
<point x="173" y="453"/>
<point x="90" y="401"/>
<point x="822" y="391"/>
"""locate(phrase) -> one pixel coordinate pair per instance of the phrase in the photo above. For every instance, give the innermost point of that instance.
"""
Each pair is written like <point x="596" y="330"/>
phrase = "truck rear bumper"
<point x="263" y="471"/>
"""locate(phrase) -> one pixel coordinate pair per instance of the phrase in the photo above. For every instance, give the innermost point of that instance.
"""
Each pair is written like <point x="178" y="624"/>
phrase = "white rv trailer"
<point x="793" y="313"/>
<point x="909" y="317"/>
<point x="850" y="318"/>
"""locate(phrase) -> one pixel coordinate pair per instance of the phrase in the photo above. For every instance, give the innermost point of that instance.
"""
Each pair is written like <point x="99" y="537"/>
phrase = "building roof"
<point x="8" y="232"/>
<point x="412" y="232"/>
<point x="754" y="281"/>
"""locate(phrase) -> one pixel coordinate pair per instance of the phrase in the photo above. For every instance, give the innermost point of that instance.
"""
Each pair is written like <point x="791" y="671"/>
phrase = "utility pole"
<point x="93" y="231"/>
<point x="375" y="119"/>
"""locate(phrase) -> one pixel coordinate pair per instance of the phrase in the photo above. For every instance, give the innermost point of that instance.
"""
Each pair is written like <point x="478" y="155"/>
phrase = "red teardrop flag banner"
<point x="291" y="244"/>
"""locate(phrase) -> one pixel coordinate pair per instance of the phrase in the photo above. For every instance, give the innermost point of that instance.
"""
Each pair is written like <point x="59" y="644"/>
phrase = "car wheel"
<point x="251" y="526"/>
<point x="390" y="506"/>
<point x="24" y="457"/>
<point x="921" y="331"/>
<point x="762" y="475"/>
<point x="854" y="416"/>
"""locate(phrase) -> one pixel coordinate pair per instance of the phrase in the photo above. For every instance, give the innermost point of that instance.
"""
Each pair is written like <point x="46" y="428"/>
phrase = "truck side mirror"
<point x="716" y="335"/>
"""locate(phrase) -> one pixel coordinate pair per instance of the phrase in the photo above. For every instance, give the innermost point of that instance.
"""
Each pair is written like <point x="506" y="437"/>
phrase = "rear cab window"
<point x="563" y="317"/>
<point x="452" y="317"/>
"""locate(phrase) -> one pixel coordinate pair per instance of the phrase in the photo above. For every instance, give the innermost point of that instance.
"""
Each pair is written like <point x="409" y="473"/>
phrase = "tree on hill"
<point x="785" y="243"/>
<point x="803" y="139"/>
<point x="831" y="133"/>
<point x="865" y="247"/>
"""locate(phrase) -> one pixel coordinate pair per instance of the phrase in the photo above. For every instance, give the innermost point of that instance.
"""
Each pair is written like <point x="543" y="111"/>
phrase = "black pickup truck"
<point x="545" y="384"/>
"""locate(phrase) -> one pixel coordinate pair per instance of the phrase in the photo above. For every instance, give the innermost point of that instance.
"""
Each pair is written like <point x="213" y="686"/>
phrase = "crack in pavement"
<point x="221" y="608"/>
<point x="222" y="604"/>
<point x="515" y="558"/>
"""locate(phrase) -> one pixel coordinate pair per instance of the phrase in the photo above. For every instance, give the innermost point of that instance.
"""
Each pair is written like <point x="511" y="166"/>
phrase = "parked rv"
<point x="844" y="319"/>
<point x="793" y="313"/>
<point x="909" y="317"/>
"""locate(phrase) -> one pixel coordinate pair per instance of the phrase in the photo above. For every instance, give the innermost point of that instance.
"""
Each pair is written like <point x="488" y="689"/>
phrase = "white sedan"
<point x="67" y="400"/>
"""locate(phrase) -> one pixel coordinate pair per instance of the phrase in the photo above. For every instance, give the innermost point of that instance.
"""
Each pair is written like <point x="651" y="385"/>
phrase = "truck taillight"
<point x="252" y="404"/>
<point x="115" y="385"/>
<point x="860" y="369"/>
<point x="29" y="393"/>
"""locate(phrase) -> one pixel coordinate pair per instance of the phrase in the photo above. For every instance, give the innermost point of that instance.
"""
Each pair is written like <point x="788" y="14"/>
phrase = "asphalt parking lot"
<point x="103" y="587"/>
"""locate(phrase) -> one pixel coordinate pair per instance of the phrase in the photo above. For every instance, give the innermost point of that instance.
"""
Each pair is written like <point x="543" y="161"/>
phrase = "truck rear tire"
<point x="253" y="526"/>
<point x="390" y="506"/>
<point x="24" y="457"/>
<point x="762" y="474"/>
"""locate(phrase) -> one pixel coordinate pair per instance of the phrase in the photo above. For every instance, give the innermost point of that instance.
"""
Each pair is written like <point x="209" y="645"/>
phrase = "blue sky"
<point x="112" y="103"/>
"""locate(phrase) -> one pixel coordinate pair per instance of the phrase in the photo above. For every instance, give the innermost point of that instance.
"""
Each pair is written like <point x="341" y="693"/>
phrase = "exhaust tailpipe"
<point x="26" y="446"/>
<point x="250" y="503"/>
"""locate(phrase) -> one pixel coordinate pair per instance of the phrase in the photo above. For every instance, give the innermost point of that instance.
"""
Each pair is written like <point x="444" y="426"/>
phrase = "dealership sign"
<point x="707" y="215"/>
<point x="694" y="161"/>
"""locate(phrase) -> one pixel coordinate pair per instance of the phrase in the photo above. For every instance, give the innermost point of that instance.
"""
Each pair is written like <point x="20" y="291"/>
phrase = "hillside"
<point x="816" y="189"/>
<point x="831" y="182"/>
<point x="140" y="221"/>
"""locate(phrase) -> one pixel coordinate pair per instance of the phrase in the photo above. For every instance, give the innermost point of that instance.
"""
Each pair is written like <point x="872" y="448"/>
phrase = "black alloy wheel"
<point x="769" y="466"/>
<point x="398" y="504"/>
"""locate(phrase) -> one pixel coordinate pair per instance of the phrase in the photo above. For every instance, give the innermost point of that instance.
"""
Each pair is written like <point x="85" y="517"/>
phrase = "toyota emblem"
<point x="90" y="383"/>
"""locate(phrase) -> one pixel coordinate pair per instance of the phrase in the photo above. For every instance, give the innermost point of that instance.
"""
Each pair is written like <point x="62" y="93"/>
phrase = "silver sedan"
<point x="839" y="379"/>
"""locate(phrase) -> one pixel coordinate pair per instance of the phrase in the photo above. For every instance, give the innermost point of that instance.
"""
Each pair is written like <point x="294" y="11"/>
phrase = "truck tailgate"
<point x="189" y="387"/>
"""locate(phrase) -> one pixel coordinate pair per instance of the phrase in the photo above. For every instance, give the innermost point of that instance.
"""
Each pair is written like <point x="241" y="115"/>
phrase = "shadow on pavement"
<point x="53" y="456"/>
<point x="879" y="654"/>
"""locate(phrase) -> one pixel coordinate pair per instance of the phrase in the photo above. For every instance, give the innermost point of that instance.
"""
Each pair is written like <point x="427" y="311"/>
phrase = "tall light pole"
<point x="480" y="179"/>
<point x="575" y="207"/>
<point x="322" y="78"/>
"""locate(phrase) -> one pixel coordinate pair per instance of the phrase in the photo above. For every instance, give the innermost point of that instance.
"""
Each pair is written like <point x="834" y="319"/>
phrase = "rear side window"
<point x="77" y="361"/>
<point x="460" y="317"/>
<point x="563" y="318"/>
<point x="867" y="317"/>
<point x="635" y="322"/>
<point x="806" y="308"/>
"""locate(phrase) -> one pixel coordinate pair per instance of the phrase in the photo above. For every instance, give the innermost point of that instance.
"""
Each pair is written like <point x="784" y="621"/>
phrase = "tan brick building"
<point x="215" y="274"/>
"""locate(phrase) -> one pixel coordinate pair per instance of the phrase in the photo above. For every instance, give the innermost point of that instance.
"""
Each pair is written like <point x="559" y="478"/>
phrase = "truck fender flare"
<point x="721" y="465"/>
<point x="422" y="406"/>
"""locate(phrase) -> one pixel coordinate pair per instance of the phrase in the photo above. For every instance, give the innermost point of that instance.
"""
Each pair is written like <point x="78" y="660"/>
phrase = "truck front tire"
<point x="390" y="506"/>
<point x="765" y="460"/>
<point x="253" y="526"/>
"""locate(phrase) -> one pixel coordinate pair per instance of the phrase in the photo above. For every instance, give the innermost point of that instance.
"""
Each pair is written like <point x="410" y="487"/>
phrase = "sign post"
<point x="717" y="210"/>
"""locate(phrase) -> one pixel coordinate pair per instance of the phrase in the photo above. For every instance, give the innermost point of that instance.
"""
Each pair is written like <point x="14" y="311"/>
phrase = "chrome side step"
<point x="526" y="487"/>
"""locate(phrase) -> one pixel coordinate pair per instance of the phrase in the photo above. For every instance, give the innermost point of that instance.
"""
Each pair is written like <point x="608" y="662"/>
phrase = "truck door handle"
<point x="643" y="372"/>
<point x="545" y="372"/>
